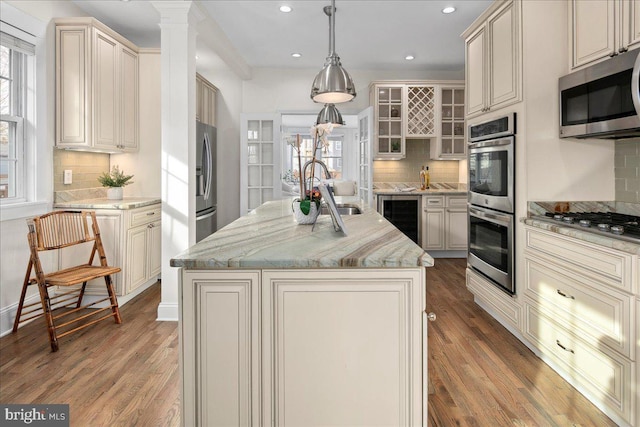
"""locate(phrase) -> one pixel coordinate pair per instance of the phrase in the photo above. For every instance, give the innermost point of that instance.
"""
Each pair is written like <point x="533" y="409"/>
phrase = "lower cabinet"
<point x="582" y="316"/>
<point x="304" y="347"/>
<point x="132" y="241"/>
<point x="445" y="223"/>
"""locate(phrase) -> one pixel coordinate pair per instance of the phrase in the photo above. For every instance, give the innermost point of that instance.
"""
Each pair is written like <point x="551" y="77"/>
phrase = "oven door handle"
<point x="489" y="216"/>
<point x="493" y="143"/>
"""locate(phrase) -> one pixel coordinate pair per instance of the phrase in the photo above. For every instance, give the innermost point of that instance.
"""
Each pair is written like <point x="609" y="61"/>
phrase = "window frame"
<point x="37" y="157"/>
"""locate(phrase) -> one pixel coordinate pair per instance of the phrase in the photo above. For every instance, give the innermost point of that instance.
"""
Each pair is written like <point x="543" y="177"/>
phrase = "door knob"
<point x="431" y="316"/>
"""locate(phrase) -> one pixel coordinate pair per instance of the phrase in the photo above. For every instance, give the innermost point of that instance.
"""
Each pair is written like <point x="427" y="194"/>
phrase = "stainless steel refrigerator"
<point x="206" y="201"/>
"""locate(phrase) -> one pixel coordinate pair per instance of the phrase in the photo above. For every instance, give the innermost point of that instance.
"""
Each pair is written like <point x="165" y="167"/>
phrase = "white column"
<point x="178" y="105"/>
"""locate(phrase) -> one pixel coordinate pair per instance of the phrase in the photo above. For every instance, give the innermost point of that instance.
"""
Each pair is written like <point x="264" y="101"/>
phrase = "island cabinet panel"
<point x="355" y="337"/>
<point x="301" y="347"/>
<point x="218" y="337"/>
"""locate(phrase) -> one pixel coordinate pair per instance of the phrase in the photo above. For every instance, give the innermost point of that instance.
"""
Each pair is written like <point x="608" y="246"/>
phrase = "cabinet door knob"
<point x="431" y="316"/>
<point x="614" y="54"/>
<point x="622" y="49"/>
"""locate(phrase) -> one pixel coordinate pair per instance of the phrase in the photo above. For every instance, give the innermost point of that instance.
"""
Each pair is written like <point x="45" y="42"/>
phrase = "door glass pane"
<point x="267" y="153"/>
<point x="254" y="198"/>
<point x="395" y="145"/>
<point x="253" y="132"/>
<point x="267" y="130"/>
<point x="267" y="176"/>
<point x="254" y="154"/>
<point x="254" y="176"/>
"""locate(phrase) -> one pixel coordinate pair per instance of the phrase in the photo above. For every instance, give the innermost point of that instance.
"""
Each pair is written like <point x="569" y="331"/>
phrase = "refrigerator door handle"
<point x="207" y="166"/>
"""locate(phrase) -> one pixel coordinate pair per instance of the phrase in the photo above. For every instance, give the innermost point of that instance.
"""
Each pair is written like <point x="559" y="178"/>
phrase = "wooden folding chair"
<point x="53" y="231"/>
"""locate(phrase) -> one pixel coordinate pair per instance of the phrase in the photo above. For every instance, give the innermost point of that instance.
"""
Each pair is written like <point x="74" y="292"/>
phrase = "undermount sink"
<point x="343" y="209"/>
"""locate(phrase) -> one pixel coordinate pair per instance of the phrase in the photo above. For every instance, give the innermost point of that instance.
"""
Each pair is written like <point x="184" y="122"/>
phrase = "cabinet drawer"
<point x="433" y="202"/>
<point x="457" y="202"/>
<point x="602" y="264"/>
<point x="600" y="314"/>
<point x="606" y="375"/>
<point x="145" y="215"/>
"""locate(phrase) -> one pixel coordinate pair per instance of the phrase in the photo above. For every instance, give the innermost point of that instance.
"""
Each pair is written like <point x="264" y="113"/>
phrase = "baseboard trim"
<point x="8" y="314"/>
<point x="167" y="312"/>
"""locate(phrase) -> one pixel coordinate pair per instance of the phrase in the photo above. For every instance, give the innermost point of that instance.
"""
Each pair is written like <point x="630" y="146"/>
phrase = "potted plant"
<point x="115" y="180"/>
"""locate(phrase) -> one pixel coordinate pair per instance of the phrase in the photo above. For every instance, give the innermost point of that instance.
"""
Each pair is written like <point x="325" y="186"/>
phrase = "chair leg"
<point x="84" y="285"/>
<point x="25" y="285"/>
<point x="48" y="316"/>
<point x="112" y="297"/>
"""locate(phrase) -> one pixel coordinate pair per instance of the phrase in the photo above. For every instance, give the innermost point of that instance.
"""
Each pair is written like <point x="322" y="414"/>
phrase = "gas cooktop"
<point x="612" y="224"/>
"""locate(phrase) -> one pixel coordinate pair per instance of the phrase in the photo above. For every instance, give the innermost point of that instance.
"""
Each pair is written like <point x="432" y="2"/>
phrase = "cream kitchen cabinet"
<point x="600" y="29"/>
<point x="254" y="340"/>
<point x="205" y="101"/>
<point x="493" y="63"/>
<point x="143" y="247"/>
<point x="444" y="220"/>
<point x="450" y="144"/>
<point x="389" y="101"/>
<point x="581" y="314"/>
<point x="131" y="239"/>
<point x="97" y="99"/>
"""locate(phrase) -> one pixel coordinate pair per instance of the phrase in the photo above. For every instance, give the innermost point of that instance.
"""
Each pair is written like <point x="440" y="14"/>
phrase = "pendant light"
<point x="330" y="114"/>
<point x="333" y="84"/>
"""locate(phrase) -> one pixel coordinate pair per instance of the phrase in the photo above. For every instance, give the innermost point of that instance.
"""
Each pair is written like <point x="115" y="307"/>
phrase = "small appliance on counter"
<point x="206" y="200"/>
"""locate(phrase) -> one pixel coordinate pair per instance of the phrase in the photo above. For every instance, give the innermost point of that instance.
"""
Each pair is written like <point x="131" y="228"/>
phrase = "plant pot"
<point x="301" y="217"/>
<point x="114" y="193"/>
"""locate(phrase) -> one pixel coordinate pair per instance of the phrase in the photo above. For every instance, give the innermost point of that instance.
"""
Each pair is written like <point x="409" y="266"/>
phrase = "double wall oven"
<point x="491" y="200"/>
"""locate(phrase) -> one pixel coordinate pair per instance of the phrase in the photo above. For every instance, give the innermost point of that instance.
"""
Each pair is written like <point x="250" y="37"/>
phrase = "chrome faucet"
<point x="304" y="174"/>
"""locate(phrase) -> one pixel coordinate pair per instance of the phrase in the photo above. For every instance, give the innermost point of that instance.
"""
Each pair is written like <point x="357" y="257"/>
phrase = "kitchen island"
<point x="282" y="325"/>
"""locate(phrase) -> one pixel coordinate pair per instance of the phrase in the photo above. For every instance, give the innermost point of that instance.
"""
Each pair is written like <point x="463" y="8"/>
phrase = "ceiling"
<point x="370" y="35"/>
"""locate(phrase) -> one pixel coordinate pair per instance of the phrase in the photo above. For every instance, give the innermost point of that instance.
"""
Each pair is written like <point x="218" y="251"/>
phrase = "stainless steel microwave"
<point x="602" y="101"/>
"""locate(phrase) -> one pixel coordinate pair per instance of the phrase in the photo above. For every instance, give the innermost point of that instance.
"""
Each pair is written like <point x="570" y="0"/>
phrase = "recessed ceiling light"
<point x="285" y="9"/>
<point x="449" y="9"/>
<point x="296" y="55"/>
<point x="197" y="57"/>
<point x="409" y="57"/>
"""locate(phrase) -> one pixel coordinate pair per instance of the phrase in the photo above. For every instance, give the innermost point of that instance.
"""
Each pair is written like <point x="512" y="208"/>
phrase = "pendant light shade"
<point x="330" y="114"/>
<point x="333" y="84"/>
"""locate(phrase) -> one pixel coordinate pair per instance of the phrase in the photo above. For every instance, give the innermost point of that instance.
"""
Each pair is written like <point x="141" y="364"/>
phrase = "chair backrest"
<point x="60" y="229"/>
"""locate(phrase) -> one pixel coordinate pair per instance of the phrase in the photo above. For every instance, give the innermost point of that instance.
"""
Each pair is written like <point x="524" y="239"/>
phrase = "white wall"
<point x="287" y="89"/>
<point x="14" y="250"/>
<point x="557" y="169"/>
<point x="145" y="164"/>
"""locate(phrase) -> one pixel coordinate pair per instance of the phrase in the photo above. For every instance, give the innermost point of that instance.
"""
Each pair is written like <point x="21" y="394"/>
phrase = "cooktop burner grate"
<point x="610" y="223"/>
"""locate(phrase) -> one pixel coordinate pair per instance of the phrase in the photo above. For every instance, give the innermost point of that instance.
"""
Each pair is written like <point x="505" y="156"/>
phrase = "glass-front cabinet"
<point x="389" y="142"/>
<point x="451" y="144"/>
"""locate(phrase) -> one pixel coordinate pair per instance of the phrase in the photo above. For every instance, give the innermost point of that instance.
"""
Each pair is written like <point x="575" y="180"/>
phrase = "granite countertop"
<point x="269" y="237"/>
<point x="536" y="211"/>
<point x="435" y="188"/>
<point x="104" y="203"/>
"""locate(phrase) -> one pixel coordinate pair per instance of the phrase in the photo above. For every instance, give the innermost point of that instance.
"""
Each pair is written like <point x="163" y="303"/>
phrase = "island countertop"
<point x="269" y="237"/>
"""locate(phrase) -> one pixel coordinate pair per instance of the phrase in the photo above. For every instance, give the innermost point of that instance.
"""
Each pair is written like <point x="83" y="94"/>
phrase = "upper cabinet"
<point x="405" y="110"/>
<point x="205" y="101"/>
<point x="450" y="144"/>
<point x="389" y="101"/>
<point x="493" y="66"/>
<point x="600" y="29"/>
<point x="97" y="97"/>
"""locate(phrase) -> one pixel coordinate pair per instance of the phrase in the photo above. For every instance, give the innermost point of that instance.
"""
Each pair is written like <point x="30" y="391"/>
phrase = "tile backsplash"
<point x="86" y="168"/>
<point x="627" y="171"/>
<point x="408" y="169"/>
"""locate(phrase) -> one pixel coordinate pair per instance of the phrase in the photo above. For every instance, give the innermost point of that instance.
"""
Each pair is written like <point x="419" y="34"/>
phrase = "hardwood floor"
<point x="127" y="375"/>
<point x="111" y="375"/>
<point x="481" y="375"/>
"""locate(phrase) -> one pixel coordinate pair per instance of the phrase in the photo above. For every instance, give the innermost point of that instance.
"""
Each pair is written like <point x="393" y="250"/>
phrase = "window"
<point x="331" y="156"/>
<point x="14" y="66"/>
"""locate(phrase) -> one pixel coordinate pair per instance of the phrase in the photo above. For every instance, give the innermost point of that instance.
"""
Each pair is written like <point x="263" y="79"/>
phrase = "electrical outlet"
<point x="68" y="176"/>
